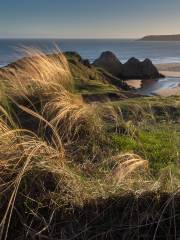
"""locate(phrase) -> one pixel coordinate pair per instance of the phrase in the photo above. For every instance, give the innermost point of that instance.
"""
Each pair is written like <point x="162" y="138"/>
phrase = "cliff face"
<point x="161" y="38"/>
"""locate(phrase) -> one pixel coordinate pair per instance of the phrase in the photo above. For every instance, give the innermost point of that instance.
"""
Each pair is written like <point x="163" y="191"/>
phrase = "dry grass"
<point x="23" y="152"/>
<point x="38" y="74"/>
<point x="49" y="81"/>
<point x="127" y="164"/>
<point x="72" y="168"/>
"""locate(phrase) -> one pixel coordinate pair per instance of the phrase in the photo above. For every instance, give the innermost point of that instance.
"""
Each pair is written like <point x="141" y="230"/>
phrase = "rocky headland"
<point x="174" y="37"/>
<point x="132" y="69"/>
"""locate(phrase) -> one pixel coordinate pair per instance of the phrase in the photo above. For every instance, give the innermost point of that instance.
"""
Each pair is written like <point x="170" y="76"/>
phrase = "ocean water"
<point x="158" y="52"/>
<point x="150" y="87"/>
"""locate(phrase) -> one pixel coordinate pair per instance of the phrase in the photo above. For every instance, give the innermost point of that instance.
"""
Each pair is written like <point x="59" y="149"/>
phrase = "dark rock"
<point x="74" y="57"/>
<point x="109" y="62"/>
<point x="87" y="63"/>
<point x="72" y="54"/>
<point x="134" y="69"/>
<point x="149" y="69"/>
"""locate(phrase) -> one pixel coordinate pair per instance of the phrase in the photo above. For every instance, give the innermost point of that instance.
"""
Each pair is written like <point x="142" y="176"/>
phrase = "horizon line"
<point x="65" y="38"/>
<point x="83" y="38"/>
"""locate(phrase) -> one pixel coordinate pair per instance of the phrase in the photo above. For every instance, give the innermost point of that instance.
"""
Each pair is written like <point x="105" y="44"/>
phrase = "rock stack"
<point x="109" y="62"/>
<point x="132" y="69"/>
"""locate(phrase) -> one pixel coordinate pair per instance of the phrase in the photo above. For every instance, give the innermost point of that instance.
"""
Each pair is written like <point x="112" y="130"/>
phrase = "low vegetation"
<point x="73" y="168"/>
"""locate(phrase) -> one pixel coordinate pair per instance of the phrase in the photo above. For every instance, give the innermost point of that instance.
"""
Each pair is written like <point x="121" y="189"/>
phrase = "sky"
<point x="88" y="18"/>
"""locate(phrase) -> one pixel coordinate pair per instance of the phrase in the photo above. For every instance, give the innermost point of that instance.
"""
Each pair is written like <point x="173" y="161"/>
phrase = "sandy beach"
<point x="135" y="83"/>
<point x="169" y="92"/>
<point x="169" y="69"/>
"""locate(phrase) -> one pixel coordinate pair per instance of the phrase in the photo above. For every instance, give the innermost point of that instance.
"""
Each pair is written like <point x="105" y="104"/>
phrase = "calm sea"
<point x="158" y="52"/>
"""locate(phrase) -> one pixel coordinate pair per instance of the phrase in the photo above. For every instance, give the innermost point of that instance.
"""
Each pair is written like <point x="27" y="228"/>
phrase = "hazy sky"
<point x="88" y="18"/>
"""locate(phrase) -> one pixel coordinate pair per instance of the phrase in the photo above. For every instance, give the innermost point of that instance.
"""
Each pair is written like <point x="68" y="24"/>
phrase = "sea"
<point x="159" y="52"/>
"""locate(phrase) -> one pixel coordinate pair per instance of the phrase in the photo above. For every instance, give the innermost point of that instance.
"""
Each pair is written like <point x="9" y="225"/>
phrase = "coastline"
<point x="135" y="83"/>
<point x="169" y="70"/>
<point x="168" y="92"/>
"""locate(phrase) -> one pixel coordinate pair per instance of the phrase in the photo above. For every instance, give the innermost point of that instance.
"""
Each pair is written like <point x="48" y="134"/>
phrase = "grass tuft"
<point x="62" y="158"/>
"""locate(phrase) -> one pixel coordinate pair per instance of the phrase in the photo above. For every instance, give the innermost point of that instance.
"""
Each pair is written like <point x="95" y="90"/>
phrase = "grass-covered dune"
<point x="76" y="165"/>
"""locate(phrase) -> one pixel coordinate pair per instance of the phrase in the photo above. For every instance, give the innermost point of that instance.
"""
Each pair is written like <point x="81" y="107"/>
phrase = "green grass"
<point x="156" y="108"/>
<point x="157" y="132"/>
<point x="95" y="87"/>
<point x="71" y="162"/>
<point x="159" y="143"/>
<point x="92" y="80"/>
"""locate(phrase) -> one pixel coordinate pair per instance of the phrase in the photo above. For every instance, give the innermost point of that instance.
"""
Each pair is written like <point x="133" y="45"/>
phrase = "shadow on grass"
<point x="149" y="216"/>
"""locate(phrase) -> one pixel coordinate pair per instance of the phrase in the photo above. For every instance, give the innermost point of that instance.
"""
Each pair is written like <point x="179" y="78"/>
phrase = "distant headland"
<point x="175" y="37"/>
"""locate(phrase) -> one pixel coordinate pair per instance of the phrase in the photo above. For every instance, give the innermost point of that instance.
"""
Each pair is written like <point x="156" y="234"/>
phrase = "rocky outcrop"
<point x="74" y="57"/>
<point x="135" y="69"/>
<point x="132" y="69"/>
<point x="109" y="62"/>
<point x="87" y="63"/>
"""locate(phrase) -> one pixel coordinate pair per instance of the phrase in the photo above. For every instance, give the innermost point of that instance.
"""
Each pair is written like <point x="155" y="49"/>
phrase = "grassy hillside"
<point x="73" y="167"/>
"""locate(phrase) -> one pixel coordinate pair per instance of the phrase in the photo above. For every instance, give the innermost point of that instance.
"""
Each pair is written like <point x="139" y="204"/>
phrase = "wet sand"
<point x="170" y="70"/>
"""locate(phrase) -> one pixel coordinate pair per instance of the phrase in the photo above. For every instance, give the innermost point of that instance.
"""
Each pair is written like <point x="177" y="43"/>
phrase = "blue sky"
<point x="88" y="18"/>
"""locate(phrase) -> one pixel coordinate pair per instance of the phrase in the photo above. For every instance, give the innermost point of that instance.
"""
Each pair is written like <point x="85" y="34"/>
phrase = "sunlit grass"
<point x="58" y="152"/>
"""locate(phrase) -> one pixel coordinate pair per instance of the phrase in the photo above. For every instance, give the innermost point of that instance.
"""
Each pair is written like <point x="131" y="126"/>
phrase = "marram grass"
<point x="56" y="157"/>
